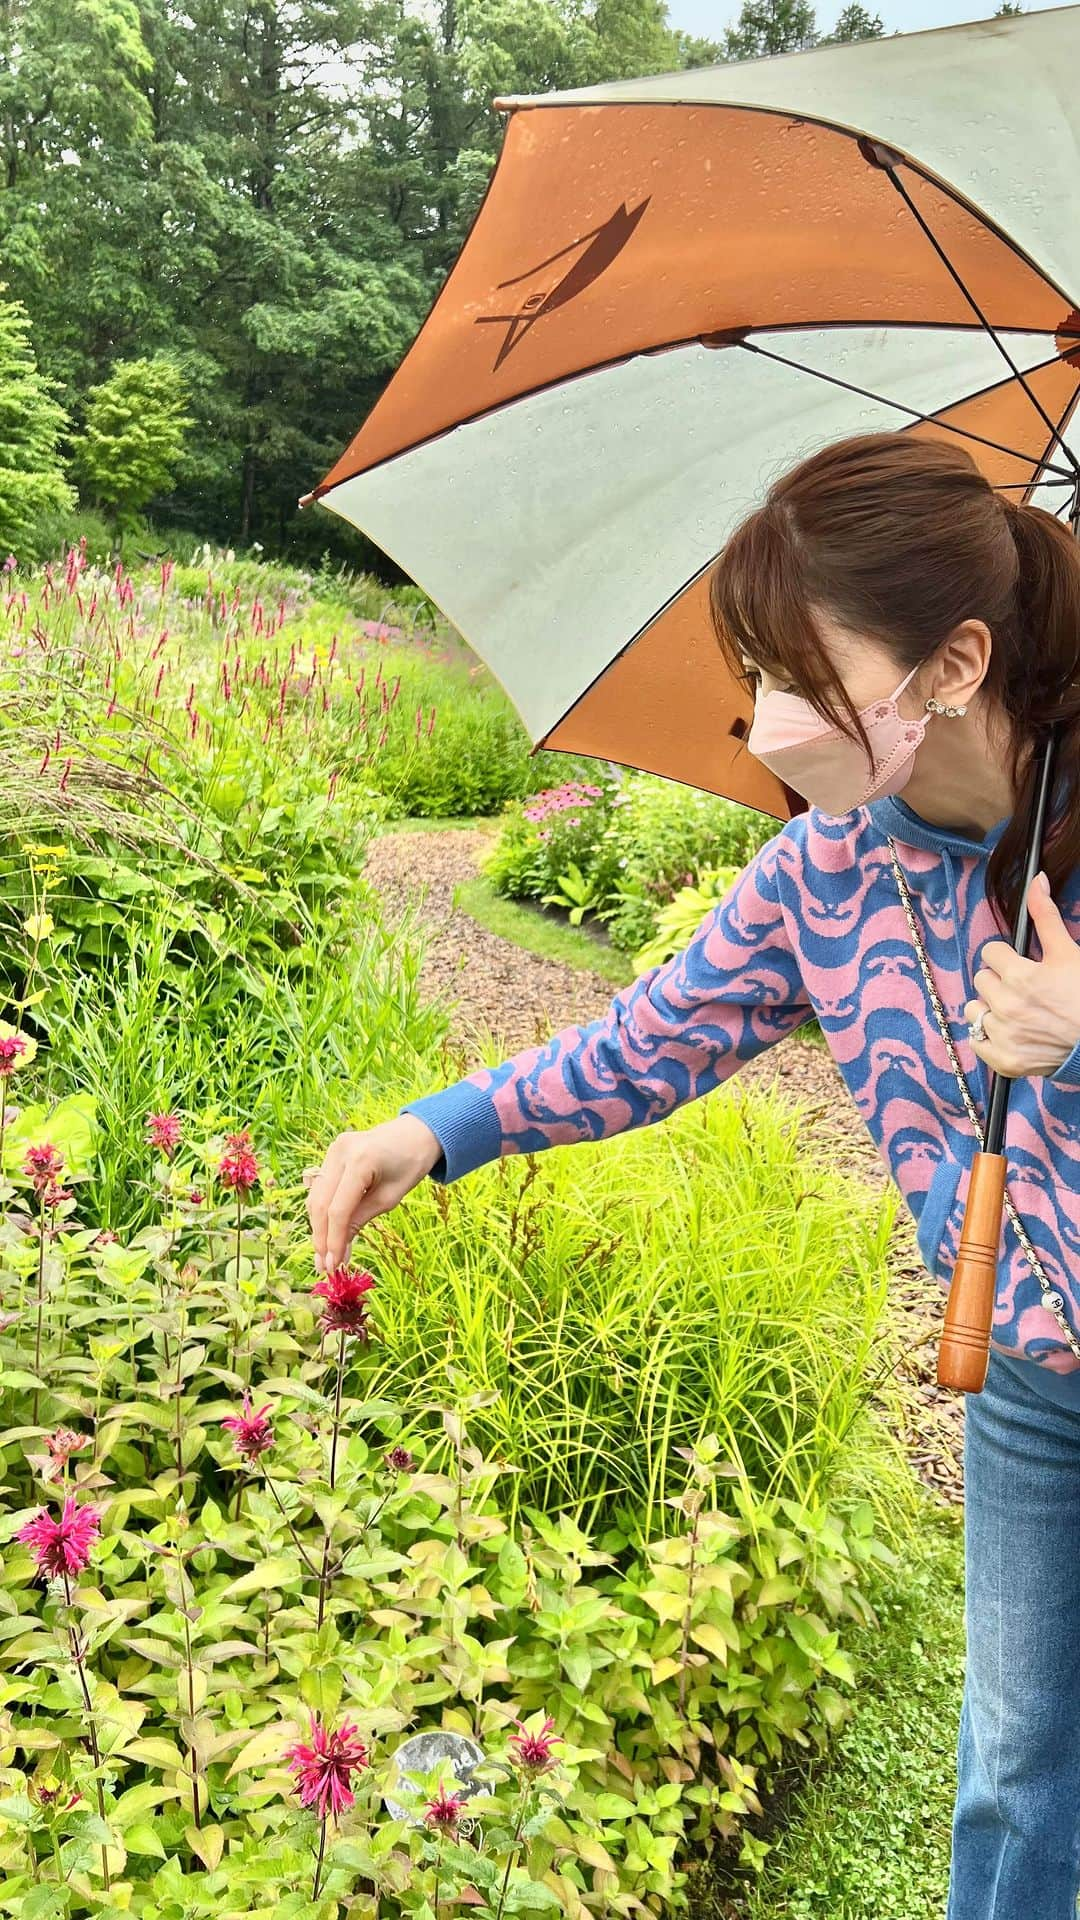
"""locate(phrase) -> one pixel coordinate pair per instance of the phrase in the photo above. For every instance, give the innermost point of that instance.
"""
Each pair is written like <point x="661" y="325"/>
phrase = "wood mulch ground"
<point x="490" y="983"/>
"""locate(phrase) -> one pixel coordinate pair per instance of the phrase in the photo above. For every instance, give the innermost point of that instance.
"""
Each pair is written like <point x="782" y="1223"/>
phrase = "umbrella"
<point x="674" y="289"/>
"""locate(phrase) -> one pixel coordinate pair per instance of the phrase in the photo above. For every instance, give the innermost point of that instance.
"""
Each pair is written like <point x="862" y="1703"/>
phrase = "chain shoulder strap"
<point x="1052" y="1300"/>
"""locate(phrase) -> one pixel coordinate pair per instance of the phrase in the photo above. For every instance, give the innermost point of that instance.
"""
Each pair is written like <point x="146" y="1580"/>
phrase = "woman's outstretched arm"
<point x="671" y="1036"/>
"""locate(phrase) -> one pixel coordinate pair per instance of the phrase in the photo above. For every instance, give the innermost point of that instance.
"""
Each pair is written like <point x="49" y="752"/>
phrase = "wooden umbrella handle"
<point x="964" y="1351"/>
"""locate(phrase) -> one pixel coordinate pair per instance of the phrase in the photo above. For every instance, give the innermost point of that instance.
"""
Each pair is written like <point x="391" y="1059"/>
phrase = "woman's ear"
<point x="961" y="664"/>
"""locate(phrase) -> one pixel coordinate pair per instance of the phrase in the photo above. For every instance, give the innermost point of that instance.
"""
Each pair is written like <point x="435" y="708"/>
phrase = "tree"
<point x="766" y="27"/>
<point x="132" y="441"/>
<point x="770" y="26"/>
<point x="855" y="23"/>
<point x="32" y="479"/>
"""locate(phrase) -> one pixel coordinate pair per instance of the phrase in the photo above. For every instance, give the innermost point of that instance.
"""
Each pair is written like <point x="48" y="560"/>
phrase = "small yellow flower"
<point x="54" y="853"/>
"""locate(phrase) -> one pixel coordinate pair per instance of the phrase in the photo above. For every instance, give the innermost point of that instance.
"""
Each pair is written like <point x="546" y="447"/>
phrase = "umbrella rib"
<point x="1057" y="435"/>
<point x="928" y="418"/>
<point x="983" y="321"/>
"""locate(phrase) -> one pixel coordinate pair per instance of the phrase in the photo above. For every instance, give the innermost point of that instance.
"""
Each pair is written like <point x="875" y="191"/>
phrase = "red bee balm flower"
<point x="62" y="1547"/>
<point x="445" y="1812"/>
<point x="238" y="1168"/>
<point x="253" y="1431"/>
<point x="324" y="1768"/>
<point x="400" y="1460"/>
<point x="533" y="1750"/>
<point x="344" y="1290"/>
<point x="11" y="1045"/>
<point x="62" y="1444"/>
<point x="42" y="1165"/>
<point x="164" y="1131"/>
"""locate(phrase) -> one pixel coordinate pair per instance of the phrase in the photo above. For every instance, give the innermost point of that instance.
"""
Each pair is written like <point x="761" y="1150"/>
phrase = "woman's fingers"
<point x="320" y="1192"/>
<point x="345" y="1210"/>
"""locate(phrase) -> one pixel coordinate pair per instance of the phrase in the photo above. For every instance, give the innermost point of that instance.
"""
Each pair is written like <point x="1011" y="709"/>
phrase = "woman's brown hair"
<point x="903" y="539"/>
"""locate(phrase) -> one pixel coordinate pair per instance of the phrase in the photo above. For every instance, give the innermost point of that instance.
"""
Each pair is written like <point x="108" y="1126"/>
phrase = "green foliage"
<point x="865" y="1833"/>
<point x="132" y="439"/>
<point x="173" y="782"/>
<point x="225" y="1602"/>
<point x="621" y="852"/>
<point x="679" y="920"/>
<point x="32" y="481"/>
<point x="766" y="27"/>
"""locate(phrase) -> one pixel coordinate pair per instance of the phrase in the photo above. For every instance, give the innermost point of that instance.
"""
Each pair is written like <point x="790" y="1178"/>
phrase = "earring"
<point x="935" y="706"/>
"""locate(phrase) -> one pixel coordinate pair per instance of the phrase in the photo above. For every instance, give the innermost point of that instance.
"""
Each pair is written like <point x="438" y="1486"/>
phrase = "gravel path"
<point x="488" y="983"/>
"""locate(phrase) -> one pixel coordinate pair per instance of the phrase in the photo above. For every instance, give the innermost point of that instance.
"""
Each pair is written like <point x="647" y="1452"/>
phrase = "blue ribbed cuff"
<point x="466" y="1126"/>
<point x="1068" y="1074"/>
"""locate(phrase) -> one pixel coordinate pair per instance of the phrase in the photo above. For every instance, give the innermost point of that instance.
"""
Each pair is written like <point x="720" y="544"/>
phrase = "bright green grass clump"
<point x="618" y="1298"/>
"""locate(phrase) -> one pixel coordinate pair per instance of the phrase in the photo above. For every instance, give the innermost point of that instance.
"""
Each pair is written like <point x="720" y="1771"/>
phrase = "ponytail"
<point x="1044" y="693"/>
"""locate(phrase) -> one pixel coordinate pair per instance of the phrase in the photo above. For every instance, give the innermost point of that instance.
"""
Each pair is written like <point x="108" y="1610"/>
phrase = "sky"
<point x="709" y="17"/>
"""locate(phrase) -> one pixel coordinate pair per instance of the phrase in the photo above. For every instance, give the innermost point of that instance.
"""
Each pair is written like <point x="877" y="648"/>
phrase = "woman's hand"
<point x="362" y="1175"/>
<point x="1032" y="1007"/>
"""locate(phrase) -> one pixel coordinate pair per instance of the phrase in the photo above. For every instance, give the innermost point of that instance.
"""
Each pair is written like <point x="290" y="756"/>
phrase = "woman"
<point x="909" y="631"/>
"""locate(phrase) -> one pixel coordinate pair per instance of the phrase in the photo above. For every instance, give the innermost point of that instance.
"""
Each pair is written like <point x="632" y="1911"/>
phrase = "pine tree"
<point x="32" y="479"/>
<point x="132" y="443"/>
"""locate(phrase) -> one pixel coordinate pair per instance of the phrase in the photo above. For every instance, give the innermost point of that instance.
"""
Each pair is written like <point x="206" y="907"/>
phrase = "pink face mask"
<point x="820" y="762"/>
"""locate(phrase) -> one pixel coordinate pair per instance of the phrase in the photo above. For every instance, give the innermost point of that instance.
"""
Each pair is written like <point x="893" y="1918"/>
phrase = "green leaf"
<point x="268" y="1576"/>
<point x="268" y="1744"/>
<point x="137" y="1800"/>
<point x="142" y="1838"/>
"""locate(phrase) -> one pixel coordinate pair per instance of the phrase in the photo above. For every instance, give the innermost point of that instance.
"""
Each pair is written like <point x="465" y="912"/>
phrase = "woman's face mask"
<point x="825" y="766"/>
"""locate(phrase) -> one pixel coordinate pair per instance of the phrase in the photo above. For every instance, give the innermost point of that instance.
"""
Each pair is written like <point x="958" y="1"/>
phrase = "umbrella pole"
<point x="964" y="1350"/>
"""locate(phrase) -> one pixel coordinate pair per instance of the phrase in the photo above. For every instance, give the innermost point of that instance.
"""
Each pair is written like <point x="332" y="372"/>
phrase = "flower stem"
<point x="236" y="1327"/>
<point x="324" y="1576"/>
<point x="513" y="1850"/>
<point x="319" y="1861"/>
<point x="192" y="1755"/>
<point x="310" y="1564"/>
<point x="40" y="1304"/>
<point x="77" y="1657"/>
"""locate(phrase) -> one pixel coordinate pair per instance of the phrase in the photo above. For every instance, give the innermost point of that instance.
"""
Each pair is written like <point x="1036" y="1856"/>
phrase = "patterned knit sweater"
<point x="814" y="925"/>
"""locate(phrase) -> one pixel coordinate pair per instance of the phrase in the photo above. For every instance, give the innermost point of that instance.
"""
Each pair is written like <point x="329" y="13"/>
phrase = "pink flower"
<point x="62" y="1547"/>
<point x="445" y="1811"/>
<point x="238" y="1168"/>
<point x="324" y="1768"/>
<point x="533" y="1750"/>
<point x="400" y="1460"/>
<point x="61" y="1445"/>
<point x="253" y="1431"/>
<point x="164" y="1131"/>
<point x="11" y="1045"/>
<point x="195" y="1198"/>
<point x="106" y="1238"/>
<point x="42" y="1165"/>
<point x="343" y="1290"/>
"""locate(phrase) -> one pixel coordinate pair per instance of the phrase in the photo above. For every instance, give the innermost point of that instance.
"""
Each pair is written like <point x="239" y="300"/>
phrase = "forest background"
<point x="222" y="224"/>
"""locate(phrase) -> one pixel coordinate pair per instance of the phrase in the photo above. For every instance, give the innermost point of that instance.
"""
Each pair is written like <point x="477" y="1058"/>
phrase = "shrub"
<point x="620" y="847"/>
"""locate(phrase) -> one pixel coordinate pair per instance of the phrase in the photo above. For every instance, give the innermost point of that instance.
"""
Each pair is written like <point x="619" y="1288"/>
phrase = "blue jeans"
<point x="1016" y="1820"/>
